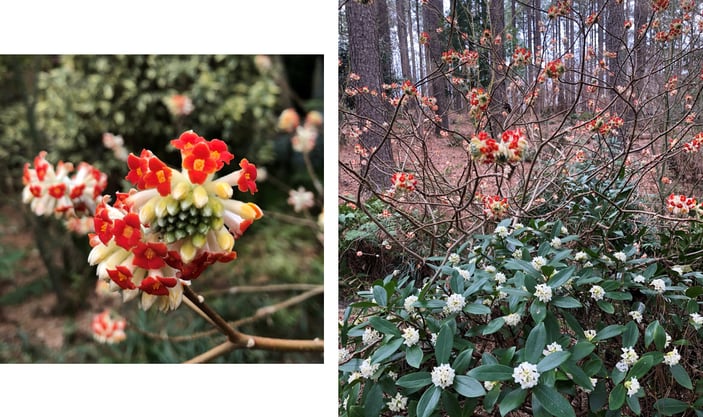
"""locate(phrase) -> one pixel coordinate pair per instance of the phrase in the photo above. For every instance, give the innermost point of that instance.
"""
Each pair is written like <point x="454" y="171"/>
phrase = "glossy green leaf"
<point x="415" y="380"/>
<point x="384" y="326"/>
<point x="581" y="349"/>
<point x="552" y="361"/>
<point x="386" y="350"/>
<point x="617" y="397"/>
<point x="609" y="331"/>
<point x="512" y="401"/>
<point x="566" y="302"/>
<point x="463" y="361"/>
<point x="428" y="401"/>
<point x="444" y="344"/>
<point x="634" y="403"/>
<point x="468" y="386"/>
<point x="670" y="406"/>
<point x="493" y="326"/>
<point x="380" y="295"/>
<point x="535" y="343"/>
<point x="553" y="402"/>
<point x="606" y="306"/>
<point x="538" y="311"/>
<point x="631" y="334"/>
<point x="413" y="356"/>
<point x="493" y="372"/>
<point x="680" y="375"/>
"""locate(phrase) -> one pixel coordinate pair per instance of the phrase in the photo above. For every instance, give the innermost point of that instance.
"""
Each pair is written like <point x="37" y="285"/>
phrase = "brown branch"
<point x="241" y="340"/>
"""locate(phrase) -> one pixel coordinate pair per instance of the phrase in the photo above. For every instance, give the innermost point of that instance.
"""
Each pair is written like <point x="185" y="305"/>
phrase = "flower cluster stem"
<point x="237" y="339"/>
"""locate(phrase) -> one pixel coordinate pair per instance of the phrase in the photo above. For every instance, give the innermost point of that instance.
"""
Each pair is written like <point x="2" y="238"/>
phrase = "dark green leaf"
<point x="512" y="400"/>
<point x="477" y="308"/>
<point x="552" y="361"/>
<point x="693" y="292"/>
<point x="380" y="295"/>
<point x="462" y="361"/>
<point x="384" y="326"/>
<point x="494" y="372"/>
<point x="641" y="367"/>
<point x="386" y="350"/>
<point x="634" y="403"/>
<point x="535" y="343"/>
<point x="581" y="349"/>
<point x="373" y="400"/>
<point x="561" y="277"/>
<point x="670" y="406"/>
<point x="468" y="387"/>
<point x="451" y="404"/>
<point x="413" y="355"/>
<point x="606" y="306"/>
<point x="493" y="326"/>
<point x="609" y="331"/>
<point x="565" y="302"/>
<point x="414" y="380"/>
<point x="552" y="401"/>
<point x="428" y="402"/>
<point x="444" y="344"/>
<point x="538" y="311"/>
<point x="617" y="397"/>
<point x="631" y="334"/>
<point x="680" y="375"/>
<point x="618" y="295"/>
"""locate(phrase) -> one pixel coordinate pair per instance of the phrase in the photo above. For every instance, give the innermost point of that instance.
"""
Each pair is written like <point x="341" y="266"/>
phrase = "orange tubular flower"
<point x="159" y="237"/>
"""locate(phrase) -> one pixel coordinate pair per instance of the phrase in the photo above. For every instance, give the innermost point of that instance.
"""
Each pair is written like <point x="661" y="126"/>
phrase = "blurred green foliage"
<point x="64" y="104"/>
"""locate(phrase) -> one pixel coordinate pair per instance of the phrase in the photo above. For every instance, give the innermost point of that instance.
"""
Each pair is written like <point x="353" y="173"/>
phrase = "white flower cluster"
<point x="408" y="303"/>
<point x="397" y="403"/>
<point x="370" y="336"/>
<point x="455" y="303"/>
<point x="454" y="259"/>
<point x="672" y="358"/>
<point x="696" y="318"/>
<point x="597" y="292"/>
<point x="538" y="262"/>
<point x="367" y="369"/>
<point x="443" y="375"/>
<point x="463" y="273"/>
<point x="512" y="319"/>
<point x="526" y="375"/>
<point x="555" y="243"/>
<point x="632" y="385"/>
<point x="620" y="256"/>
<point x="543" y="292"/>
<point x="411" y="336"/>
<point x="658" y="285"/>
<point x="343" y="355"/>
<point x="581" y="256"/>
<point x="636" y="316"/>
<point x="589" y="334"/>
<point x="501" y="231"/>
<point x="629" y="357"/>
<point x="500" y="278"/>
<point x="551" y="348"/>
<point x="639" y="279"/>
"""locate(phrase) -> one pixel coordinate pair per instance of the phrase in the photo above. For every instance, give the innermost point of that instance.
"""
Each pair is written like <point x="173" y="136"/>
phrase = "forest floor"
<point x="27" y="317"/>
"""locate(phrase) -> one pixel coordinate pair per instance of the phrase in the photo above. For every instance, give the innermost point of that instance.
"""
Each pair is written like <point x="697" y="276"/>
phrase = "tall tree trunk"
<point x="433" y="19"/>
<point x="365" y="59"/>
<point x="498" y="93"/>
<point x="414" y="73"/>
<point x="384" y="40"/>
<point x="401" y="13"/>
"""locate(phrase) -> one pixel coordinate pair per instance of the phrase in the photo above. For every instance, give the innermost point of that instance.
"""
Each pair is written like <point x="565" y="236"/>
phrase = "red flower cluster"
<point x="408" y="88"/>
<point x="494" y="207"/>
<point x="404" y="181"/>
<point x="554" y="69"/>
<point x="511" y="148"/>
<point x="603" y="126"/>
<point x="660" y="5"/>
<point x="695" y="144"/>
<point x="478" y="100"/>
<point x="50" y="190"/>
<point x="521" y="56"/>
<point x="679" y="204"/>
